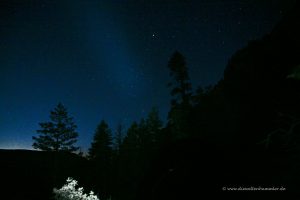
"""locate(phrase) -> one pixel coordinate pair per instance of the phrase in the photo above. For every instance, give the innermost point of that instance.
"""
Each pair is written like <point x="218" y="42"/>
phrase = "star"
<point x="154" y="35"/>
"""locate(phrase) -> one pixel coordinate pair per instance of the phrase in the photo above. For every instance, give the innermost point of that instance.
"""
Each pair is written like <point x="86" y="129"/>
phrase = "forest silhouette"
<point x="243" y="131"/>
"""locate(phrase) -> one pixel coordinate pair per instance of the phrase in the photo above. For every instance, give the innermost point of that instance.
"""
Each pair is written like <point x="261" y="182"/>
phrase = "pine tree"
<point x="118" y="139"/>
<point x="180" y="83"/>
<point x="131" y="143"/>
<point x="181" y="92"/>
<point x="149" y="134"/>
<point x="150" y="139"/>
<point x="137" y="152"/>
<point x="101" y="148"/>
<point x="130" y="169"/>
<point x="154" y="126"/>
<point x="59" y="134"/>
<point x="101" y="153"/>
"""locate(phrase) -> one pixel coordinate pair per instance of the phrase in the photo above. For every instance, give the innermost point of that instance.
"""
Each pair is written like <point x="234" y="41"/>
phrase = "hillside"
<point x="33" y="174"/>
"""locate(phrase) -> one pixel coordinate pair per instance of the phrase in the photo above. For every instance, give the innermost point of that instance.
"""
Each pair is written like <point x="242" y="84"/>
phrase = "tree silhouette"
<point x="59" y="134"/>
<point x="101" y="147"/>
<point x="181" y="86"/>
<point x="152" y="133"/>
<point x="137" y="152"/>
<point x="100" y="154"/>
<point x="130" y="170"/>
<point x="131" y="145"/>
<point x="181" y="92"/>
<point x="118" y="139"/>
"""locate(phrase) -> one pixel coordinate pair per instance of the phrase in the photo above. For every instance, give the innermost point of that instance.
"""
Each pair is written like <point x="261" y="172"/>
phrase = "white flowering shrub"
<point x="70" y="192"/>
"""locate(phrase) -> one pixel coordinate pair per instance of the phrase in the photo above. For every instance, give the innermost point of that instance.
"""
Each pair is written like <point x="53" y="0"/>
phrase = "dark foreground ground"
<point x="188" y="174"/>
<point x="32" y="175"/>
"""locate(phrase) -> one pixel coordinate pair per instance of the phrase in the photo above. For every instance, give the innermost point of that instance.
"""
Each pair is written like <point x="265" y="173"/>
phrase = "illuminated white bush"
<point x="70" y="192"/>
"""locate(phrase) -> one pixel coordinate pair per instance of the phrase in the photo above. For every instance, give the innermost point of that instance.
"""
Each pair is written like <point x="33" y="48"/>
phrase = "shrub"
<point x="70" y="192"/>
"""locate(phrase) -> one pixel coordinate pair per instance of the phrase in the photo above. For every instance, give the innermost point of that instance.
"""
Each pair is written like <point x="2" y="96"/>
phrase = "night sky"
<point x="108" y="59"/>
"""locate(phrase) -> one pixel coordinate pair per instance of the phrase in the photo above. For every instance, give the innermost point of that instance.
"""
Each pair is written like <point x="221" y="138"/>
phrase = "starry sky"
<point x="108" y="59"/>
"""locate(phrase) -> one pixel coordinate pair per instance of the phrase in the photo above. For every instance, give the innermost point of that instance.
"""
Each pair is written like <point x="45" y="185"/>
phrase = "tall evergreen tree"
<point x="181" y="92"/>
<point x="129" y="162"/>
<point x="58" y="134"/>
<point x="100" y="154"/>
<point x="137" y="152"/>
<point x="117" y="167"/>
<point x="180" y="83"/>
<point x="150" y="133"/>
<point x="150" y="139"/>
<point x="101" y="147"/>
<point x="131" y="143"/>
<point x="118" y="139"/>
<point x="154" y="125"/>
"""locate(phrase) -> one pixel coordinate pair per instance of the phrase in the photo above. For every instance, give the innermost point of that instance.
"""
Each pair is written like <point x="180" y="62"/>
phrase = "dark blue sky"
<point x="108" y="59"/>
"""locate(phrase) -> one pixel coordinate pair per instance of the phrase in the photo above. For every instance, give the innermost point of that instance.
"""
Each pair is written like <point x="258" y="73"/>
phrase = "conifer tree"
<point x="119" y="136"/>
<point x="181" y="92"/>
<point x="59" y="134"/>
<point x="101" y="148"/>
<point x="180" y="83"/>
<point x="101" y="155"/>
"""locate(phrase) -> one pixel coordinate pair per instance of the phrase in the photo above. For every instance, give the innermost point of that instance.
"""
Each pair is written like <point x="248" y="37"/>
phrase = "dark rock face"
<point x="258" y="94"/>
